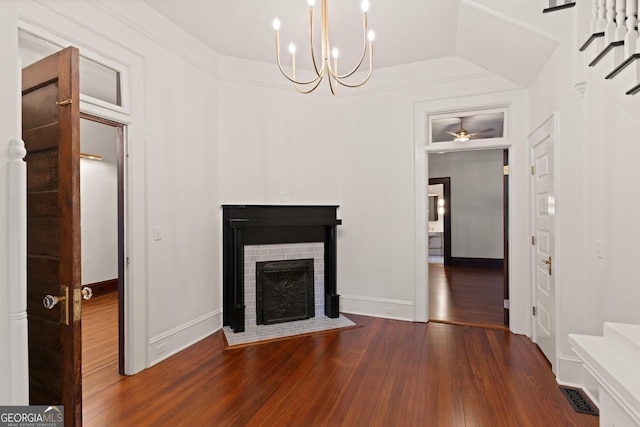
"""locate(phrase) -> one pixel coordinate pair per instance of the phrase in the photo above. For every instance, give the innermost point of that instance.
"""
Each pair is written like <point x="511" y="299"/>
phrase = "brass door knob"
<point x="87" y="293"/>
<point x="50" y="301"/>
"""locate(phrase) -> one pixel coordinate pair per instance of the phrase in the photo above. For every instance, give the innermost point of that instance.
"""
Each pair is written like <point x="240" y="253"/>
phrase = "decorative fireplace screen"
<point x="284" y="291"/>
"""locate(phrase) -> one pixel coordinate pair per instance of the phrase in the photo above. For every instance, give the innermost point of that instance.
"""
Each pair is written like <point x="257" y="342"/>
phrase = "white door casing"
<point x="542" y="142"/>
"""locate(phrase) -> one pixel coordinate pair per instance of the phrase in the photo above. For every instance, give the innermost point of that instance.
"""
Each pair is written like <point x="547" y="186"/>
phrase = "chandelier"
<point x="325" y="68"/>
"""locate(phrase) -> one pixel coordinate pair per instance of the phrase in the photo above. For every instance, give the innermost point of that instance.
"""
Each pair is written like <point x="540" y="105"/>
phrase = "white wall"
<point x="476" y="209"/>
<point x="355" y="150"/>
<point x="204" y="132"/>
<point x="596" y="179"/>
<point x="173" y="288"/>
<point x="99" y="202"/>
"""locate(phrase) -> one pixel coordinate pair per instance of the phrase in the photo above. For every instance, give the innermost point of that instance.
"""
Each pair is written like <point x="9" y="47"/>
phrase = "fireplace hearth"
<point x="264" y="225"/>
<point x="284" y="291"/>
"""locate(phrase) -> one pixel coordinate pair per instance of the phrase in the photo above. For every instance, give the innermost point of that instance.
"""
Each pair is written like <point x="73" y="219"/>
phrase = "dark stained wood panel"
<point x="44" y="380"/>
<point x="39" y="139"/>
<point x="385" y="373"/>
<point x="51" y="122"/>
<point x="43" y="238"/>
<point x="43" y="203"/>
<point x="43" y="172"/>
<point x="39" y="109"/>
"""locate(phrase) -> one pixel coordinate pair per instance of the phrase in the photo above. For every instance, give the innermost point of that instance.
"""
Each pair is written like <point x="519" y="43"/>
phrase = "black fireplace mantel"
<point x="271" y="224"/>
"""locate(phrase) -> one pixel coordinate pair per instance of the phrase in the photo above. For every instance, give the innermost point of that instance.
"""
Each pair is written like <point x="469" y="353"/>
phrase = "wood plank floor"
<point x="385" y="373"/>
<point x="467" y="296"/>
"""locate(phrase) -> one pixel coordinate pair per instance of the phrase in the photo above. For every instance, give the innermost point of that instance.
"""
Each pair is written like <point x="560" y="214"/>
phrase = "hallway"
<point x="468" y="296"/>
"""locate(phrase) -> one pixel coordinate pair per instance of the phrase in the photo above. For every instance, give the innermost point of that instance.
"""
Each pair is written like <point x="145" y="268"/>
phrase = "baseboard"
<point x="104" y="287"/>
<point x="377" y="307"/>
<point x="477" y="262"/>
<point x="572" y="373"/>
<point x="171" y="342"/>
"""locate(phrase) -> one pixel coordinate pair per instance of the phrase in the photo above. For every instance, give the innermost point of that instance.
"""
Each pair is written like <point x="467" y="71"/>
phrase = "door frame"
<point x="505" y="218"/>
<point x="120" y="143"/>
<point x="132" y="115"/>
<point x="516" y="124"/>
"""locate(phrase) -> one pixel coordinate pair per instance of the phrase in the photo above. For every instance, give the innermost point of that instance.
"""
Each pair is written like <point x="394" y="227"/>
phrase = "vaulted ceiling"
<point x="511" y="38"/>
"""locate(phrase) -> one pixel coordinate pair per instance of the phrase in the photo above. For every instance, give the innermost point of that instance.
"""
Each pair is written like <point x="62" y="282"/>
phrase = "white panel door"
<point x="544" y="332"/>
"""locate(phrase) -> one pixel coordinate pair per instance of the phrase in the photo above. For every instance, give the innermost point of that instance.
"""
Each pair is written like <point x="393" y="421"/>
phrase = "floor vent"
<point x="579" y="401"/>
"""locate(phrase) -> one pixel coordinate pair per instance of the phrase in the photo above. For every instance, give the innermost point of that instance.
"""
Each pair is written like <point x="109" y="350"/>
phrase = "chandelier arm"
<point x="362" y="56"/>
<point x="313" y="54"/>
<point x="331" y="84"/>
<point x="292" y="80"/>
<point x="304" y="92"/>
<point x="339" y="78"/>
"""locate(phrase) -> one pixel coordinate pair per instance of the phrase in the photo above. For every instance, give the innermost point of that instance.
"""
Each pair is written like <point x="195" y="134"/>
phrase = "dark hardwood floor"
<point x="467" y="296"/>
<point x="385" y="373"/>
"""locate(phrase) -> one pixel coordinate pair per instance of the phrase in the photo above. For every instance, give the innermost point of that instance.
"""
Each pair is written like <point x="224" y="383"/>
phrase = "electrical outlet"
<point x="599" y="249"/>
<point x="161" y="348"/>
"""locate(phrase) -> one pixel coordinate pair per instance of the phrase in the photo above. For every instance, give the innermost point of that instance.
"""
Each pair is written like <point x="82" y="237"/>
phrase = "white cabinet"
<point x="613" y="360"/>
<point x="436" y="243"/>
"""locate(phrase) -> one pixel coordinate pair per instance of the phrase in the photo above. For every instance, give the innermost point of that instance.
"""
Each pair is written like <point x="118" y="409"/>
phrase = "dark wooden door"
<point x="51" y="131"/>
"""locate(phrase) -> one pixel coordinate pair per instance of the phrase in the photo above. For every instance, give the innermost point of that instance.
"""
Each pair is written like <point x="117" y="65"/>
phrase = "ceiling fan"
<point x="462" y="135"/>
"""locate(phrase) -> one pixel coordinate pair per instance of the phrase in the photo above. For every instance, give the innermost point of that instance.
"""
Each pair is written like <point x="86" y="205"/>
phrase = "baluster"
<point x="610" y="28"/>
<point x="602" y="20"/>
<point x="594" y="16"/>
<point x="621" y="17"/>
<point x="631" y="37"/>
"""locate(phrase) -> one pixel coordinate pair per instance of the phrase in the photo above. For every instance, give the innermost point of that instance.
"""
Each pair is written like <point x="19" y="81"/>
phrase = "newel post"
<point x="17" y="263"/>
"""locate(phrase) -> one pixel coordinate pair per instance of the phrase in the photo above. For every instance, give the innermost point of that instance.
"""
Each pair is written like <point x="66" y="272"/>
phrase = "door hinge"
<point x="128" y="261"/>
<point x="533" y="240"/>
<point x="505" y="170"/>
<point x="533" y="170"/>
<point x="506" y="304"/>
<point x="534" y="311"/>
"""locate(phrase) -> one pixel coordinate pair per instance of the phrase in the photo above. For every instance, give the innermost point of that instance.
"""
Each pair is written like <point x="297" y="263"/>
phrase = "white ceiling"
<point x="490" y="33"/>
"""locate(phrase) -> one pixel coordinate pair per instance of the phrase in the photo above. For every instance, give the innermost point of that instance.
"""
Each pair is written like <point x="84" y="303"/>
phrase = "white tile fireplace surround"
<point x="282" y="252"/>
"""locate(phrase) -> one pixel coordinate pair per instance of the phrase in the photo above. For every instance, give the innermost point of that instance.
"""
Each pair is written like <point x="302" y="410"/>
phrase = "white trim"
<point x="514" y="101"/>
<point x="169" y="43"/>
<point x="29" y="26"/>
<point x="377" y="307"/>
<point x="431" y="145"/>
<point x="177" y="339"/>
<point x="571" y="372"/>
<point x="17" y="261"/>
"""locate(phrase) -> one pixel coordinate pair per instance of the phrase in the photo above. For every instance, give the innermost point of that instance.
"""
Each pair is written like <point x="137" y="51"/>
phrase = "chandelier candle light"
<point x="326" y="68"/>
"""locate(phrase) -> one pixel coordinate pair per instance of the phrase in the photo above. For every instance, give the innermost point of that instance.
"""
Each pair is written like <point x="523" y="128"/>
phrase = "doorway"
<point x="469" y="288"/>
<point x="101" y="165"/>
<point x="102" y="234"/>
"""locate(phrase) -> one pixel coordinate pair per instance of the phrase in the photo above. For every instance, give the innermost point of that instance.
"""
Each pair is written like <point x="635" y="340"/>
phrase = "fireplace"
<point x="268" y="225"/>
<point x="284" y="291"/>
